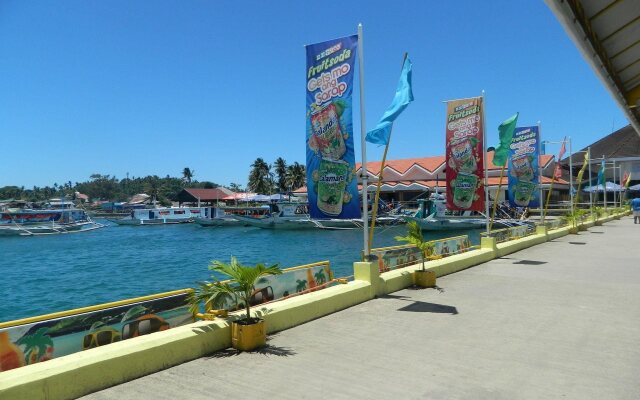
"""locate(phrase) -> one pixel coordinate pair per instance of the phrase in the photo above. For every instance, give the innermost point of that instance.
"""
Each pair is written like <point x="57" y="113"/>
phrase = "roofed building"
<point x="199" y="196"/>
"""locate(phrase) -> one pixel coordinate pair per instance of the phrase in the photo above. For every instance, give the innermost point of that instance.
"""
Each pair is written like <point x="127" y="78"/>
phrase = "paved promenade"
<point x="556" y="321"/>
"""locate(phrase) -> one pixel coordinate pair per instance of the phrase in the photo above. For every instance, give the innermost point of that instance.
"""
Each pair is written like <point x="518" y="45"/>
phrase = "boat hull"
<point x="149" y="222"/>
<point x="218" y="222"/>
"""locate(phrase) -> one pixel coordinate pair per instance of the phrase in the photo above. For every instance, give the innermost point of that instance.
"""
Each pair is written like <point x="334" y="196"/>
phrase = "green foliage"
<point x="414" y="237"/>
<point x="296" y="176"/>
<point x="238" y="290"/>
<point x="260" y="177"/>
<point x="280" y="167"/>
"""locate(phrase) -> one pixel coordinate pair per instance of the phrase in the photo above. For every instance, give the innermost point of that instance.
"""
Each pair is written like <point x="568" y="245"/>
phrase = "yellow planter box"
<point x="248" y="337"/>
<point x="425" y="278"/>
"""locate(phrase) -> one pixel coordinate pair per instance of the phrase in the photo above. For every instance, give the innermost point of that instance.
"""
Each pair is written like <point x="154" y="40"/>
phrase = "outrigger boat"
<point x="160" y="216"/>
<point x="280" y="216"/>
<point x="215" y="216"/>
<point x="30" y="222"/>
<point x="432" y="215"/>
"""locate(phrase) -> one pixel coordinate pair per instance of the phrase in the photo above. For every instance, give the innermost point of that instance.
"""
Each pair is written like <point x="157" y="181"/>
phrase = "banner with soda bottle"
<point x="524" y="179"/>
<point x="331" y="187"/>
<point x="464" y="154"/>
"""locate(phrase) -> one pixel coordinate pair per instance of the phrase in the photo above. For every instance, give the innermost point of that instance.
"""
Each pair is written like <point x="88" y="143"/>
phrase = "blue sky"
<point x="151" y="87"/>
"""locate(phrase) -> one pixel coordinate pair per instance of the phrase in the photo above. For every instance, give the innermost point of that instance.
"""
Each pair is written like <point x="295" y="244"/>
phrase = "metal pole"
<point x="614" y="182"/>
<point x="540" y="171"/>
<point x="363" y="144"/>
<point x="570" y="175"/>
<point x="590" y="184"/>
<point x="484" y="160"/>
<point x="604" y="185"/>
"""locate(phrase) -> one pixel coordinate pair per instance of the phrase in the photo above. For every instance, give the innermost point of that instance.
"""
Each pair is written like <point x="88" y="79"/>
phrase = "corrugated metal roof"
<point x="607" y="33"/>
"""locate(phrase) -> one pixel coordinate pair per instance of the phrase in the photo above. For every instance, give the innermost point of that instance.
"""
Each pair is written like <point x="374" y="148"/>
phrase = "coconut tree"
<point x="295" y="176"/>
<point x="187" y="174"/>
<point x="260" y="177"/>
<point x="280" y="167"/>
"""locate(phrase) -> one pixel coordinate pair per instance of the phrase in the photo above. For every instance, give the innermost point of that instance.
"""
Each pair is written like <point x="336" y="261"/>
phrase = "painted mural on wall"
<point x="465" y="154"/>
<point x="290" y="282"/>
<point x="41" y="341"/>
<point x="524" y="177"/>
<point x="332" y="191"/>
<point x="390" y="258"/>
<point x="512" y="233"/>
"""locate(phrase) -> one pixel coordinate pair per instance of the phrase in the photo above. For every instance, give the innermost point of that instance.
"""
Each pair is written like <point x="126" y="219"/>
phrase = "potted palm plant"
<point x="247" y="332"/>
<point x="422" y="277"/>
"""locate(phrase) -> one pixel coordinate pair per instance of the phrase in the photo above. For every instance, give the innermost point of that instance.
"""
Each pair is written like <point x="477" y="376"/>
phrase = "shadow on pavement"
<point x="268" y="350"/>
<point x="421" y="306"/>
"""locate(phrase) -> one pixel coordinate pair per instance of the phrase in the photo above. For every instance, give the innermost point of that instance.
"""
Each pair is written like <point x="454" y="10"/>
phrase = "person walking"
<point x="635" y="206"/>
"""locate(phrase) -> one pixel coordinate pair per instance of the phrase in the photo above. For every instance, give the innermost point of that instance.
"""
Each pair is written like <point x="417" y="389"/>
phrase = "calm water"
<point x="45" y="274"/>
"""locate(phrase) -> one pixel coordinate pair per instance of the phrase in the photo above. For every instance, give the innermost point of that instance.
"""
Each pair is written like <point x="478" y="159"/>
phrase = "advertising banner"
<point x="464" y="152"/>
<point x="331" y="187"/>
<point x="524" y="179"/>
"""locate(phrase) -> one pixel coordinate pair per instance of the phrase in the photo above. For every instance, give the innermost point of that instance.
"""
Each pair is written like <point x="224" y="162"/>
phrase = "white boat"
<point x="432" y="215"/>
<point x="30" y="222"/>
<point x="215" y="216"/>
<point x="160" y="216"/>
<point x="280" y="216"/>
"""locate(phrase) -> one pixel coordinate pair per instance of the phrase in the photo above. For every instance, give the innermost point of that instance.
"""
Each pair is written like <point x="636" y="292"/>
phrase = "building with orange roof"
<point x="408" y="179"/>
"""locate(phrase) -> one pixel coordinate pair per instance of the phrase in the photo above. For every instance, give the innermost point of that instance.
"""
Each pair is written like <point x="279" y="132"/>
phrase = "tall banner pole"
<point x="495" y="201"/>
<point x="590" y="185"/>
<point x="614" y="181"/>
<point x="484" y="161"/>
<point x="363" y="144"/>
<point x="604" y="185"/>
<point x="571" y="176"/>
<point x="540" y="171"/>
<point x="374" y="210"/>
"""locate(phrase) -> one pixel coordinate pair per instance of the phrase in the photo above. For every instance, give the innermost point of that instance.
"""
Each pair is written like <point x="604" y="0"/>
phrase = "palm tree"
<point x="235" y="187"/>
<point x="414" y="237"/>
<point x="320" y="277"/>
<point x="302" y="285"/>
<point x="241" y="287"/>
<point x="296" y="176"/>
<point x="187" y="174"/>
<point x="260" y="177"/>
<point x="37" y="346"/>
<point x="280" y="167"/>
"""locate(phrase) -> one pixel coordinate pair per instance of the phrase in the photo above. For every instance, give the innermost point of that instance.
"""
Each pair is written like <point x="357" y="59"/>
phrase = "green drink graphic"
<point x="464" y="190"/>
<point x="522" y="168"/>
<point x="332" y="181"/>
<point x="523" y="192"/>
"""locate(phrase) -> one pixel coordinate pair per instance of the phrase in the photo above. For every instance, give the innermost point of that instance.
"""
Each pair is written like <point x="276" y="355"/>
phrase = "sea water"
<point x="45" y="274"/>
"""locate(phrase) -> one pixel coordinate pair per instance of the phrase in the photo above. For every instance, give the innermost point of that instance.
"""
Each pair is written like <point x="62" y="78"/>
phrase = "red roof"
<point x="209" y="194"/>
<point x="431" y="164"/>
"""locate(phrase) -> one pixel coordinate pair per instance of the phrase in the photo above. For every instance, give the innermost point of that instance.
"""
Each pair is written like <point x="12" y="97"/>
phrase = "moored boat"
<point x="280" y="216"/>
<point x="216" y="216"/>
<point x="31" y="222"/>
<point x="160" y="216"/>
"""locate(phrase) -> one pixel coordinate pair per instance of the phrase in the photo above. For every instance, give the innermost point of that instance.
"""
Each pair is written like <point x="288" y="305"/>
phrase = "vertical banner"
<point x="523" y="168"/>
<point x="464" y="150"/>
<point x="331" y="187"/>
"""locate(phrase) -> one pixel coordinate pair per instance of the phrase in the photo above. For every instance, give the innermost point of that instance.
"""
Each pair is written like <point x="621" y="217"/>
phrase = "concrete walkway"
<point x="556" y="321"/>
